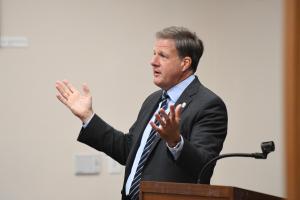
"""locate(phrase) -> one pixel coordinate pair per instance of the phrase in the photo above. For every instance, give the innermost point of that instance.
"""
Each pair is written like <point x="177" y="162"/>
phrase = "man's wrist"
<point x="176" y="150"/>
<point x="87" y="117"/>
<point x="173" y="143"/>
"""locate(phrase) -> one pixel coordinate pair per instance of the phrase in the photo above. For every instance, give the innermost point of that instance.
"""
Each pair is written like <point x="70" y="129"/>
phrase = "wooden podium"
<point x="186" y="191"/>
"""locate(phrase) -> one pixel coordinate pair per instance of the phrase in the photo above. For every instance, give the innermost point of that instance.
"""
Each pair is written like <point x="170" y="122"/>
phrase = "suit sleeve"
<point x="103" y="137"/>
<point x="205" y="139"/>
<point x="116" y="144"/>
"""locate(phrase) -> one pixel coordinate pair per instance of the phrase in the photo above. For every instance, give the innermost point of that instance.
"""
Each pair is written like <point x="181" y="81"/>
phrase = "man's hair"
<point x="187" y="43"/>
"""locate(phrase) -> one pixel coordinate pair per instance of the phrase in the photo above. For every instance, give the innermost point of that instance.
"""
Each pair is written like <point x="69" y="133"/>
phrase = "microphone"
<point x="266" y="148"/>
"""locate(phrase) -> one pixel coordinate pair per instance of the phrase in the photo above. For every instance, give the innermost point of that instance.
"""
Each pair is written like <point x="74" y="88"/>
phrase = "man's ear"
<point x="186" y="63"/>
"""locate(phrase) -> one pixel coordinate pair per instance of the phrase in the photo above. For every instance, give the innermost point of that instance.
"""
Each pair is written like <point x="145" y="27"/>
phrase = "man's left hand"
<point x="169" y="125"/>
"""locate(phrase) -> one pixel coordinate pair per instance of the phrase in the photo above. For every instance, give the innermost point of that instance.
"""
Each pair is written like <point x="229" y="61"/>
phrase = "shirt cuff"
<point x="177" y="149"/>
<point x="84" y="125"/>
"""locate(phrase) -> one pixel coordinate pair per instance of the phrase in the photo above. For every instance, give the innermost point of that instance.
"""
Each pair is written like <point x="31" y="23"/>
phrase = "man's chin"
<point x="157" y="82"/>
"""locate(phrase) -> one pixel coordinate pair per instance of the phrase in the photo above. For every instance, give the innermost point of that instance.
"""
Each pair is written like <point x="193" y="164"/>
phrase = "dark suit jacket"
<point x="203" y="127"/>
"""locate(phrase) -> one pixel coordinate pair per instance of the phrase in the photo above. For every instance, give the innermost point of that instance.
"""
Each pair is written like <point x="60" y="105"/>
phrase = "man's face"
<point x="167" y="66"/>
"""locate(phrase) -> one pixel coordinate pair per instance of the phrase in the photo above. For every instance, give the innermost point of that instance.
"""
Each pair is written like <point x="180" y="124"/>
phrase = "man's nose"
<point x="154" y="61"/>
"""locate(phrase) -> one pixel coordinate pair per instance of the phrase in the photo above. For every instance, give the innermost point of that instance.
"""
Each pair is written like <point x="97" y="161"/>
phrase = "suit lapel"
<point x="186" y="96"/>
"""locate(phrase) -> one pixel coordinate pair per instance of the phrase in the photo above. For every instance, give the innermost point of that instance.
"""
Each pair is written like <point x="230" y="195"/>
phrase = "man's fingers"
<point x="172" y="113"/>
<point x="63" y="85"/>
<point x="71" y="88"/>
<point x="62" y="99"/>
<point x="164" y="116"/>
<point x="86" y="90"/>
<point x="160" y="120"/>
<point x="61" y="89"/>
<point x="178" y="113"/>
<point x="153" y="125"/>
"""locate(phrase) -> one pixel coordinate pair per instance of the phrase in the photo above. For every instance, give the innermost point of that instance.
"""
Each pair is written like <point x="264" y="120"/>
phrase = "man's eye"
<point x="162" y="55"/>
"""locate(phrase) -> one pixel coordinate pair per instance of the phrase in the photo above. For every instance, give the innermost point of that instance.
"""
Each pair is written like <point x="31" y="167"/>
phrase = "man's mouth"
<point x="156" y="73"/>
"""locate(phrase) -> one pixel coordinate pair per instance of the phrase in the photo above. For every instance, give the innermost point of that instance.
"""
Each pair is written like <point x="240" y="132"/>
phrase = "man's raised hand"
<point x="169" y="124"/>
<point x="79" y="104"/>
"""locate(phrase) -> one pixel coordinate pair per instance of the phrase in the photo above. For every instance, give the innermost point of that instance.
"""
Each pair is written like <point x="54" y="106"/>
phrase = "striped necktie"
<point x="134" y="188"/>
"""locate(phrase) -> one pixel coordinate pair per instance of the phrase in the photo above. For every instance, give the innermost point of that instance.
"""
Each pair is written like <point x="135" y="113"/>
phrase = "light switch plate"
<point x="13" y="41"/>
<point x="87" y="164"/>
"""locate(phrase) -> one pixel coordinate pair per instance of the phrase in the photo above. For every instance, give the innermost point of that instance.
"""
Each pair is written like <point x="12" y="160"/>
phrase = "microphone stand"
<point x="266" y="147"/>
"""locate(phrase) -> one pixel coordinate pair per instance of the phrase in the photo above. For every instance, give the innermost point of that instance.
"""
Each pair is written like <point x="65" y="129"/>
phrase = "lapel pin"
<point x="183" y="105"/>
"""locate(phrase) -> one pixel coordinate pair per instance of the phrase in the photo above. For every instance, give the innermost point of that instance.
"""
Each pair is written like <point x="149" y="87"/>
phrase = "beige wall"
<point x="108" y="44"/>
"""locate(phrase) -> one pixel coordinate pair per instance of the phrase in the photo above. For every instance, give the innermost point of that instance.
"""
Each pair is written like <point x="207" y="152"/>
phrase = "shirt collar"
<point x="175" y="92"/>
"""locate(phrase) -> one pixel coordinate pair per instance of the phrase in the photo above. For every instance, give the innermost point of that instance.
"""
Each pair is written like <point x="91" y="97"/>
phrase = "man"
<point x="178" y="129"/>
